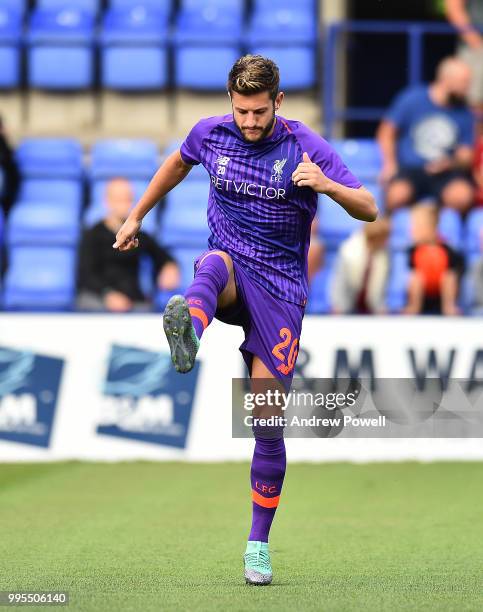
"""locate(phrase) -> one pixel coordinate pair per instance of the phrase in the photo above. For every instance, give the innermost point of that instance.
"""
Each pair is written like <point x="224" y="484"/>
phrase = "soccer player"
<point x="265" y="172"/>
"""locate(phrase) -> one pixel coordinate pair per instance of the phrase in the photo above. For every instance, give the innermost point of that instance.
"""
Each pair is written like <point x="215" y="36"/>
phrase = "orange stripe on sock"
<point x="199" y="314"/>
<point x="266" y="502"/>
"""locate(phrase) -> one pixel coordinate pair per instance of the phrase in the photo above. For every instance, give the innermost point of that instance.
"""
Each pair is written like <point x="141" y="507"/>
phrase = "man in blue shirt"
<point x="427" y="139"/>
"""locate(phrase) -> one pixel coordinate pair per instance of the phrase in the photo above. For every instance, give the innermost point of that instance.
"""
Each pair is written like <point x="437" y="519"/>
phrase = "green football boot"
<point x="258" y="569"/>
<point x="182" y="339"/>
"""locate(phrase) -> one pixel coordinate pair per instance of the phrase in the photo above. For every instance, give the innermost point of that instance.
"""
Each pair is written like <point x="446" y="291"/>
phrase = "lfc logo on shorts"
<point x="145" y="398"/>
<point x="277" y="170"/>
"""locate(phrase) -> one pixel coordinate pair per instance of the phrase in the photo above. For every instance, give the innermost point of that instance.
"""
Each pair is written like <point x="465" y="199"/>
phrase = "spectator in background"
<point x="478" y="166"/>
<point x="435" y="267"/>
<point x="9" y="172"/>
<point x="361" y="271"/>
<point x="467" y="17"/>
<point x="477" y="280"/>
<point x="109" y="279"/>
<point x="427" y="140"/>
<point x="315" y="256"/>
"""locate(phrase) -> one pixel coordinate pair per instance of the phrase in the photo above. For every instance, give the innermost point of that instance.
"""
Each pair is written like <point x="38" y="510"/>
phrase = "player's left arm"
<point x="357" y="201"/>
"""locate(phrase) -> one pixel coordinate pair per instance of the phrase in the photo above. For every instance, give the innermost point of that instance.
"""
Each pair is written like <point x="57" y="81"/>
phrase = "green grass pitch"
<point x="170" y="536"/>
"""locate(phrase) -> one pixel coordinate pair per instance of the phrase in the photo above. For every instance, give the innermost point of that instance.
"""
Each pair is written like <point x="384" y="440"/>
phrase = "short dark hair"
<point x="253" y="74"/>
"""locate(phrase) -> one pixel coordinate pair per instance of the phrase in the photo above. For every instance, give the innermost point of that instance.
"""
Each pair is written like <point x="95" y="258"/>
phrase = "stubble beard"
<point x="263" y="132"/>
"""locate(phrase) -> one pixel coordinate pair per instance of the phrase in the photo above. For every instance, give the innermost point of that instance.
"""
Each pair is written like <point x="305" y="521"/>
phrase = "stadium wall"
<point x="101" y="387"/>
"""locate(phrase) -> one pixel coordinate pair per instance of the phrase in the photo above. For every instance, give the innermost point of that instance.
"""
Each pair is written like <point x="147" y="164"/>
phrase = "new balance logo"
<point x="222" y="163"/>
<point x="277" y="170"/>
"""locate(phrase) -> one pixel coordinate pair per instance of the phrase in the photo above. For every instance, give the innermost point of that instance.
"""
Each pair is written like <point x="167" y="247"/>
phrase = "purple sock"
<point x="267" y="474"/>
<point x="202" y="295"/>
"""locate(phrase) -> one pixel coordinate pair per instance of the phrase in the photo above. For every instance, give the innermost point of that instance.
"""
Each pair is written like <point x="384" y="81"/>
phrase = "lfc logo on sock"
<point x="265" y="488"/>
<point x="194" y="301"/>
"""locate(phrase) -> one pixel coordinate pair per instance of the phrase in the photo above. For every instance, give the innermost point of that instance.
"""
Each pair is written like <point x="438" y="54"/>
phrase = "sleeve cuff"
<point x="186" y="157"/>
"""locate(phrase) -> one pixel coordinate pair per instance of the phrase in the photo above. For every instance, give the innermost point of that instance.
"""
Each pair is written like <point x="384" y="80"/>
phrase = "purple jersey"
<point x="255" y="212"/>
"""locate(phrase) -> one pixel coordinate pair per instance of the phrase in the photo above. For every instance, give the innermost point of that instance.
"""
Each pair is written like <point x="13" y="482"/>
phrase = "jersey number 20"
<point x="288" y="362"/>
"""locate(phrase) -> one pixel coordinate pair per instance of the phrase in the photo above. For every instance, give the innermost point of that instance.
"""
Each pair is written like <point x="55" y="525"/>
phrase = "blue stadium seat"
<point x="207" y="42"/>
<point x="319" y="301"/>
<point x="472" y="257"/>
<point x="362" y="157"/>
<point x="133" y="159"/>
<point x="307" y="6"/>
<point x="134" y="54"/>
<point x="204" y="68"/>
<point x="60" y="49"/>
<point x="18" y="6"/>
<point x="147" y="278"/>
<point x="44" y="224"/>
<point x="335" y="225"/>
<point x="89" y="6"/>
<point x="184" y="221"/>
<point x="232" y="7"/>
<point x="450" y="227"/>
<point x="398" y="281"/>
<point x="97" y="210"/>
<point x="2" y="226"/>
<point x="296" y="64"/>
<point x="163" y="6"/>
<point x="473" y="242"/>
<point x="288" y="36"/>
<point x="57" y="191"/>
<point x="197" y="173"/>
<point x="467" y="294"/>
<point x="50" y="158"/>
<point x="10" y="39"/>
<point x="40" y="279"/>
<point x="162" y="297"/>
<point x="400" y="238"/>
<point x="215" y="22"/>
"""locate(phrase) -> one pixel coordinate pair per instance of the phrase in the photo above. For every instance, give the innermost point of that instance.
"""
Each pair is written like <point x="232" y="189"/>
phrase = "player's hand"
<point x="126" y="236"/>
<point x="308" y="174"/>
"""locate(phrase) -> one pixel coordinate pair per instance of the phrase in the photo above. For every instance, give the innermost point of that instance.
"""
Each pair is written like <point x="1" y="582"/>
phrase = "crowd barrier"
<point x="101" y="387"/>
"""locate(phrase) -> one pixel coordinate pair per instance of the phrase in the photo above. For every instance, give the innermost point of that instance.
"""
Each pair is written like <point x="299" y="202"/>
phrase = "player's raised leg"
<point x="186" y="317"/>
<point x="267" y="475"/>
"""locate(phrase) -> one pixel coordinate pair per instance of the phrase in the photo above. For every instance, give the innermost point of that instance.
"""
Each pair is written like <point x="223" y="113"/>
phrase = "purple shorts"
<point x="272" y="326"/>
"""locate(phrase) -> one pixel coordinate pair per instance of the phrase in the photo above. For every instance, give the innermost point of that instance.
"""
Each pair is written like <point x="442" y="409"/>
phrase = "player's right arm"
<point x="170" y="174"/>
